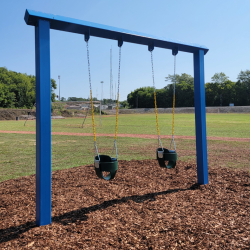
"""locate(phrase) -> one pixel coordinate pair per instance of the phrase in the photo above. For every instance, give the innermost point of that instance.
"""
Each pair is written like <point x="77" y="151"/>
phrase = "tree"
<point x="220" y="91"/>
<point x="212" y="91"/>
<point x="180" y="78"/>
<point x="244" y="81"/>
<point x="228" y="92"/>
<point x="105" y="101"/>
<point x="184" y="90"/>
<point x="53" y="87"/>
<point x="18" y="90"/>
<point x="124" y="104"/>
<point x="219" y="78"/>
<point x="244" y="76"/>
<point x="184" y="93"/>
<point x="7" y="98"/>
<point x="141" y="98"/>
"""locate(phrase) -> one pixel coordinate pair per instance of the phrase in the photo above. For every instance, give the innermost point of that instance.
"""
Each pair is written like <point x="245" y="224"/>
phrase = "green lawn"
<point x="221" y="125"/>
<point x="17" y="157"/>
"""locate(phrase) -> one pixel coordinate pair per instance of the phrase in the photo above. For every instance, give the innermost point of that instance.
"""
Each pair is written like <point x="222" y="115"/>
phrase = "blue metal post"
<point x="200" y="117"/>
<point x="43" y="123"/>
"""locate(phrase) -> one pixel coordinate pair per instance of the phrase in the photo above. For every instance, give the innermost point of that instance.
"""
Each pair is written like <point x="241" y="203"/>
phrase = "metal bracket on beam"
<point x="175" y="51"/>
<point x="87" y="36"/>
<point x="151" y="47"/>
<point x="120" y="41"/>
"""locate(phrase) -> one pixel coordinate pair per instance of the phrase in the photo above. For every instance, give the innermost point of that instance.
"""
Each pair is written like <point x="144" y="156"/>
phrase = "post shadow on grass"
<point x="81" y="214"/>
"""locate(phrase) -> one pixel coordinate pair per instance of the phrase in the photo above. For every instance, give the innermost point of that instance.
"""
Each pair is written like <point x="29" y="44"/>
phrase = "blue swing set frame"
<point x="43" y="23"/>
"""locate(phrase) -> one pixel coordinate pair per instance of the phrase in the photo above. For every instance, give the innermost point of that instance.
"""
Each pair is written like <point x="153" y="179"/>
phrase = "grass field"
<point x="220" y="125"/>
<point x="17" y="156"/>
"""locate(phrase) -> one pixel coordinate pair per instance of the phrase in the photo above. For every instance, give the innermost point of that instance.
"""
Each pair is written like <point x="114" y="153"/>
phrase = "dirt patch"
<point x="187" y="110"/>
<point x="144" y="207"/>
<point x="11" y="114"/>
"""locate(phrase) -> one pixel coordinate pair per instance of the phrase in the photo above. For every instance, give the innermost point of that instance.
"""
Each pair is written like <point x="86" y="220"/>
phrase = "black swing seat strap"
<point x="107" y="164"/>
<point x="163" y="155"/>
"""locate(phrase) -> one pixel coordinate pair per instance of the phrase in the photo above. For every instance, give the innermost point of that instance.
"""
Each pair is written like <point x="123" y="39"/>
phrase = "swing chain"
<point x="96" y="150"/>
<point x="85" y="116"/>
<point x="172" y="141"/>
<point x="174" y="71"/>
<point x="87" y="44"/>
<point x="119" y="71"/>
<point x="157" y="124"/>
<point x="117" y="104"/>
<point x="114" y="148"/>
<point x="159" y="142"/>
<point x="152" y="64"/>
<point x="92" y="108"/>
<point x="34" y="105"/>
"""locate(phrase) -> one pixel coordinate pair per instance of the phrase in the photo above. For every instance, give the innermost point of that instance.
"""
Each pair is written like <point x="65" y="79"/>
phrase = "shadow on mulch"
<point x="144" y="207"/>
<point x="73" y="216"/>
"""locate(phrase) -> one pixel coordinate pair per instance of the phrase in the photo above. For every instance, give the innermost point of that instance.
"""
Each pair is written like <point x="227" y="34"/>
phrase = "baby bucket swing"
<point x="105" y="163"/>
<point x="164" y="154"/>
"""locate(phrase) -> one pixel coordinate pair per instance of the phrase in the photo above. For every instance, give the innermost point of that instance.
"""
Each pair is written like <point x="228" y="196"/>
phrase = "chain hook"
<point x="175" y="51"/>
<point x="151" y="47"/>
<point x="87" y="35"/>
<point x="120" y="41"/>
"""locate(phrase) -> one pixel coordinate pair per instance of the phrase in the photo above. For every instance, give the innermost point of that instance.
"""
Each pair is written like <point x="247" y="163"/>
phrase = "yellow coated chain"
<point x="116" y="119"/>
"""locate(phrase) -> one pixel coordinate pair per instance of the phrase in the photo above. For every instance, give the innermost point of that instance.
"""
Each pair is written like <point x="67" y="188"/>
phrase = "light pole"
<point x="101" y="104"/>
<point x="59" y="88"/>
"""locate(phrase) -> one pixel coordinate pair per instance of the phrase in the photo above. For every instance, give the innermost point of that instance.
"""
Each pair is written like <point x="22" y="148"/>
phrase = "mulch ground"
<point x="144" y="207"/>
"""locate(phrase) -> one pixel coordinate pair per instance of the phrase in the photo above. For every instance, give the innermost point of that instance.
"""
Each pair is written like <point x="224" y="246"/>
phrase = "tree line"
<point x="18" y="90"/>
<point x="220" y="91"/>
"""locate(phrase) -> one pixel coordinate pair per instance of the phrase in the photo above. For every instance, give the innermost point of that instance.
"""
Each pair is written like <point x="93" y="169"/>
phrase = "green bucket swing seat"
<point x="163" y="155"/>
<point x="106" y="164"/>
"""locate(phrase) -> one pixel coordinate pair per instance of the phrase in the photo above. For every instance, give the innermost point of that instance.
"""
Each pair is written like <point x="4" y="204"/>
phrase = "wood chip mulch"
<point x="145" y="207"/>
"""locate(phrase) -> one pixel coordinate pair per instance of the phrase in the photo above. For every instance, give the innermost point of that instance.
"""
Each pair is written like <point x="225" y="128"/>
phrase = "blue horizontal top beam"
<point x="98" y="30"/>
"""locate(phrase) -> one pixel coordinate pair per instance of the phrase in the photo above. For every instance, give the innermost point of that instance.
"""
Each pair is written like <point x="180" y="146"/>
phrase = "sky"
<point x="221" y="26"/>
